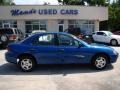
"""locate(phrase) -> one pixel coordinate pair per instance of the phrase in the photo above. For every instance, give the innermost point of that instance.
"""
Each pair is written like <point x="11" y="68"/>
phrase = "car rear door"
<point x="45" y="49"/>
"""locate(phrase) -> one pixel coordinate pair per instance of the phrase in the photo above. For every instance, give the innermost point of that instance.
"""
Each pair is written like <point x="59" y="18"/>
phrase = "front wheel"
<point x="113" y="42"/>
<point x="26" y="63"/>
<point x="100" y="61"/>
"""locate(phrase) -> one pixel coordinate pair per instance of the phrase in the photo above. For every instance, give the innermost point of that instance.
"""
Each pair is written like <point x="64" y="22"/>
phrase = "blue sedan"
<point x="58" y="48"/>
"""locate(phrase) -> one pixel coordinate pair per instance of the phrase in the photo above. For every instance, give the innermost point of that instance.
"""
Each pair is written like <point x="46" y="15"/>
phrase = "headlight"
<point x="115" y="52"/>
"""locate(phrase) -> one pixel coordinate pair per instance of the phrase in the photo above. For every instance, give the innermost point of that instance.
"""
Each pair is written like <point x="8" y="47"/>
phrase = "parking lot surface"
<point x="59" y="77"/>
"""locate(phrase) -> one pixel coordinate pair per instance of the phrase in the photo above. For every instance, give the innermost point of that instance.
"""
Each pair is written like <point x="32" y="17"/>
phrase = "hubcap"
<point x="114" y="42"/>
<point x="26" y="64"/>
<point x="100" y="62"/>
<point x="3" y="38"/>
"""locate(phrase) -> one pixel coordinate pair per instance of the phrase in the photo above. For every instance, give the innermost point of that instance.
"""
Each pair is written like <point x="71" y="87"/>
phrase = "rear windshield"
<point x="6" y="31"/>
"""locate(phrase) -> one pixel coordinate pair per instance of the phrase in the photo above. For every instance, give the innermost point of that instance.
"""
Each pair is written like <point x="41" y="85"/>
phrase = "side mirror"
<point x="104" y="35"/>
<point x="80" y="45"/>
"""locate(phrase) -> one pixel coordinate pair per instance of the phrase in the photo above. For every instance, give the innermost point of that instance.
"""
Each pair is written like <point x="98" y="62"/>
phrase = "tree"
<point x="1" y="2"/>
<point x="7" y="2"/>
<point x="46" y="3"/>
<point x="114" y="16"/>
<point x="82" y="2"/>
<point x="72" y="2"/>
<point x="98" y="2"/>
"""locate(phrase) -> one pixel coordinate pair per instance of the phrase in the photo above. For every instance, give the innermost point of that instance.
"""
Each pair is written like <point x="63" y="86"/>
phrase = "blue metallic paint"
<point x="55" y="54"/>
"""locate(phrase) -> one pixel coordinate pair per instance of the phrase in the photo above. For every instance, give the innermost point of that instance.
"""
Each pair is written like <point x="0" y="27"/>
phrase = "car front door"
<point x="100" y="37"/>
<point x="70" y="50"/>
<point x="45" y="49"/>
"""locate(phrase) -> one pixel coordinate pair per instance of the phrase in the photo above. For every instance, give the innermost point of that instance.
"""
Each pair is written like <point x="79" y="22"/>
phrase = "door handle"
<point x="32" y="50"/>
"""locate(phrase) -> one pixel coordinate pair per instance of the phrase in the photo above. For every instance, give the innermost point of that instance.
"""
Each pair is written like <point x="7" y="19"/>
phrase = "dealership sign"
<point x="17" y="12"/>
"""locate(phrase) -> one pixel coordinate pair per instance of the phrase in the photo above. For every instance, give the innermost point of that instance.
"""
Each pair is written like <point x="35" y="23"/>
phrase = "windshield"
<point x="109" y="33"/>
<point x="83" y="42"/>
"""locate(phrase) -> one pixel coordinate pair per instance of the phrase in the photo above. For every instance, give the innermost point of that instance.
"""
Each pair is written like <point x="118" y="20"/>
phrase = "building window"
<point x="8" y="24"/>
<point x="86" y="26"/>
<point x="60" y="21"/>
<point x="35" y="25"/>
<point x="0" y="24"/>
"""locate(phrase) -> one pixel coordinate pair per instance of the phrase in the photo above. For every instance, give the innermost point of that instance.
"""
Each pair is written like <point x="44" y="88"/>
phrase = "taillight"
<point x="13" y="37"/>
<point x="8" y="49"/>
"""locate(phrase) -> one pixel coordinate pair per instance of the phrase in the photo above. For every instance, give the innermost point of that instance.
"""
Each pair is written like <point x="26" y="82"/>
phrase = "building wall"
<point x="52" y="26"/>
<point x="21" y="25"/>
<point x="95" y="14"/>
<point x="96" y="25"/>
<point x="84" y="12"/>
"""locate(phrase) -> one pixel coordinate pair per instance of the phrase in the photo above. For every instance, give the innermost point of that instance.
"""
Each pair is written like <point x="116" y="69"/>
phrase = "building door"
<point x="6" y="25"/>
<point x="61" y="27"/>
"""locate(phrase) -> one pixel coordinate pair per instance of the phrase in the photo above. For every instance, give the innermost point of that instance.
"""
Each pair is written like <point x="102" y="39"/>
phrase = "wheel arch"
<point x="101" y="53"/>
<point x="113" y="39"/>
<point x="27" y="54"/>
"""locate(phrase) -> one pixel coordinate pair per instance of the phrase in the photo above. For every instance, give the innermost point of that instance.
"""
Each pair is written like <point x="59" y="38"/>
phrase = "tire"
<point x="4" y="40"/>
<point x="114" y="42"/>
<point x="100" y="61"/>
<point x="26" y="63"/>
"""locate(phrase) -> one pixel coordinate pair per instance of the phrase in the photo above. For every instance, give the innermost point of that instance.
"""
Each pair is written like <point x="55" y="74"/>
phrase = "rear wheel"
<point x="4" y="40"/>
<point x="27" y="63"/>
<point x="113" y="42"/>
<point x="100" y="61"/>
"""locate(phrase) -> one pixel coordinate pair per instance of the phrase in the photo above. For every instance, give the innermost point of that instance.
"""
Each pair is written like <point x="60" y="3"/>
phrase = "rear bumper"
<point x="9" y="58"/>
<point x="6" y="43"/>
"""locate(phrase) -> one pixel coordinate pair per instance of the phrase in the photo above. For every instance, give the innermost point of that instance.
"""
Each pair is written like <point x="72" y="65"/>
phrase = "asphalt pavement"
<point x="59" y="77"/>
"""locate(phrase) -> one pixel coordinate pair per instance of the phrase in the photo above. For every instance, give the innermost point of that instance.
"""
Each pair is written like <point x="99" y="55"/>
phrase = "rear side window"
<point x="100" y="33"/>
<point x="1" y="31"/>
<point x="19" y="31"/>
<point x="47" y="39"/>
<point x="6" y="31"/>
<point x="16" y="32"/>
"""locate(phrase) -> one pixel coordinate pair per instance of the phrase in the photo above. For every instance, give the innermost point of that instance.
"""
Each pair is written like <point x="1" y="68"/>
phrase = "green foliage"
<point x="114" y="11"/>
<point x="6" y="2"/>
<point x="82" y="2"/>
<point x="114" y="16"/>
<point x="71" y="2"/>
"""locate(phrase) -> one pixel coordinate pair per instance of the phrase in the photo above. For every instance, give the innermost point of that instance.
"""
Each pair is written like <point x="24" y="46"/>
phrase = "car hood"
<point x="100" y="46"/>
<point x="115" y="36"/>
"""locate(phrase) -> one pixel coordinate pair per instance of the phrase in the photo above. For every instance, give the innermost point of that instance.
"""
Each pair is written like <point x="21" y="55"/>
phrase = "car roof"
<point x="51" y="33"/>
<point x="103" y="31"/>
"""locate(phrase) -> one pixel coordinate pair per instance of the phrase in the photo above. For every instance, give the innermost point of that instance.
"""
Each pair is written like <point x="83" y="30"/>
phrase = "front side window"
<point x="101" y="33"/>
<point x="66" y="40"/>
<point x="47" y="39"/>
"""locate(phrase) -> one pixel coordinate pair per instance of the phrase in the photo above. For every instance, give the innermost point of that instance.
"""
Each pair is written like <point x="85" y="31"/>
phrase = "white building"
<point x="52" y="18"/>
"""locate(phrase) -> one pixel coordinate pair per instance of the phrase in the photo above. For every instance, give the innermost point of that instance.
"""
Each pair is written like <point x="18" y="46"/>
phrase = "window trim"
<point x="101" y="34"/>
<point x="65" y="35"/>
<point x="54" y="43"/>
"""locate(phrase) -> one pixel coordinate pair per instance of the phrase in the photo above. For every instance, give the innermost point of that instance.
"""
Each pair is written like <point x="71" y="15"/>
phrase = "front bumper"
<point x="113" y="58"/>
